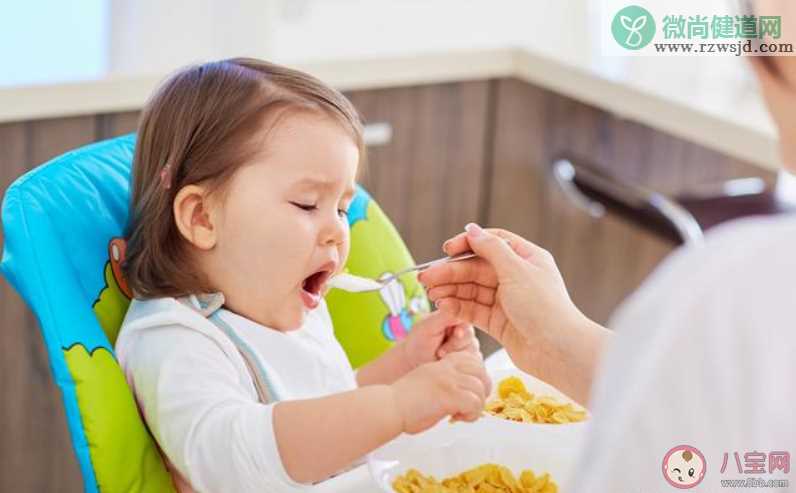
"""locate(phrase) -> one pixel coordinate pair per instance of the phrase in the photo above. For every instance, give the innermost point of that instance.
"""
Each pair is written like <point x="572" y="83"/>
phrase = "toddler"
<point x="242" y="177"/>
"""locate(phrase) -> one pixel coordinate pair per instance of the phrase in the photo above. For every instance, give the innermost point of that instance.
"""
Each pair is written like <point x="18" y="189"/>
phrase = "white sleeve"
<point x="702" y="356"/>
<point x="204" y="418"/>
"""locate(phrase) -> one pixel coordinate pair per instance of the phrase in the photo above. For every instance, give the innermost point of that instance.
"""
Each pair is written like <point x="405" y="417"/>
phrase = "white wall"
<point x="356" y="28"/>
<point x="46" y="40"/>
<point x="53" y="40"/>
<point x="156" y="36"/>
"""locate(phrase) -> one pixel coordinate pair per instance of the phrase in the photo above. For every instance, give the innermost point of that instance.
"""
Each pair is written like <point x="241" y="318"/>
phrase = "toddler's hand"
<point x="435" y="336"/>
<point x="456" y="386"/>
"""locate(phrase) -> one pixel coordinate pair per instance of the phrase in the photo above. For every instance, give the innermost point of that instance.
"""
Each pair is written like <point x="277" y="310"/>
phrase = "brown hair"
<point x="199" y="127"/>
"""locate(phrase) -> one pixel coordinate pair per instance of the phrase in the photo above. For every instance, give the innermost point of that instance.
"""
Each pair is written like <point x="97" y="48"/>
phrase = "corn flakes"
<point x="515" y="403"/>
<point x="487" y="478"/>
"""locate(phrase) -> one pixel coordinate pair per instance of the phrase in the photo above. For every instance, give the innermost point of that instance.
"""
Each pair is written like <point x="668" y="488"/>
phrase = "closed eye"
<point x="305" y="207"/>
<point x="677" y="469"/>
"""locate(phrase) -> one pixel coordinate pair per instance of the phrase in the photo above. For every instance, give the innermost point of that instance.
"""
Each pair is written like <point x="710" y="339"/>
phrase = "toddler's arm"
<point x="318" y="437"/>
<point x="202" y="412"/>
<point x="430" y="339"/>
<point x="387" y="368"/>
<point x="210" y="426"/>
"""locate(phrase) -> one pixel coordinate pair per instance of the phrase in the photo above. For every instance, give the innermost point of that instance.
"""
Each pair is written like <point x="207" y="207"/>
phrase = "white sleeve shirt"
<point x="197" y="396"/>
<point x="704" y="355"/>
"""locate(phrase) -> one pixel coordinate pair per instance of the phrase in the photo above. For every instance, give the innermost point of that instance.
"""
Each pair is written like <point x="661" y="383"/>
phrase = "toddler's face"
<point x="282" y="229"/>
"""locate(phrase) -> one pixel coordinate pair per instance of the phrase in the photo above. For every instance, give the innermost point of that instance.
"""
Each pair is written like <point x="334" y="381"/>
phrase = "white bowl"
<point x="449" y="449"/>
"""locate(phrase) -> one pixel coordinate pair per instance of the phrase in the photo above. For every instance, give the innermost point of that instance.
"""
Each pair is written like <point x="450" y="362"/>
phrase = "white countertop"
<point x="713" y="101"/>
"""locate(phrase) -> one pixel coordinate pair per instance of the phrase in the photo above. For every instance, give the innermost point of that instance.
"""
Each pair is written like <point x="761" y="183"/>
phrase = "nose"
<point x="335" y="230"/>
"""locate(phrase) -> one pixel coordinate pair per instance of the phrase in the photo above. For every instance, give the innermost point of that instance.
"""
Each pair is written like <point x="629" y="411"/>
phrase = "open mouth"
<point x="314" y="283"/>
<point x="312" y="289"/>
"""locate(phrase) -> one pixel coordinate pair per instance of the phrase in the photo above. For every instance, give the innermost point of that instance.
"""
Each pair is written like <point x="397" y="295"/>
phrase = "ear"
<point x="195" y="216"/>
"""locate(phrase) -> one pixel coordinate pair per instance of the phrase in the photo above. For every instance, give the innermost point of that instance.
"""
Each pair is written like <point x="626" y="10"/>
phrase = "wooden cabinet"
<point x="428" y="177"/>
<point x="602" y="260"/>
<point x="35" y="447"/>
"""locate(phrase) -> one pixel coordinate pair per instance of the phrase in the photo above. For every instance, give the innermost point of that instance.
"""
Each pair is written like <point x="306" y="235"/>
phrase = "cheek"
<point x="345" y="247"/>
<point x="267" y="240"/>
<point x="294" y="234"/>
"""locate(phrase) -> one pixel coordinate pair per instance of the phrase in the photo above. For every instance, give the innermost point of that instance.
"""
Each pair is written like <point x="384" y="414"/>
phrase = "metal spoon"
<point x="357" y="284"/>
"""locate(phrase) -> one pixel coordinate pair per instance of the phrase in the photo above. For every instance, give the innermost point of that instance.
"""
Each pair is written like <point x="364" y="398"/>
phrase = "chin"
<point x="293" y="321"/>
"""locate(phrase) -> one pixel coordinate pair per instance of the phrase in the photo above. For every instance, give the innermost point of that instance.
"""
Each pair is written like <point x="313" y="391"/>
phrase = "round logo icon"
<point x="633" y="27"/>
<point x="684" y="467"/>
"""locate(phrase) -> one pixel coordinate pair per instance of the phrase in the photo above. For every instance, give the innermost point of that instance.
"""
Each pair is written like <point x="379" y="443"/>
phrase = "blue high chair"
<point x="63" y="223"/>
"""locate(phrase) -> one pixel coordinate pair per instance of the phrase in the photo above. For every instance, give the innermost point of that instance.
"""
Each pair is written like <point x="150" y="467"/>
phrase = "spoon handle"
<point x="455" y="258"/>
<point x="338" y="281"/>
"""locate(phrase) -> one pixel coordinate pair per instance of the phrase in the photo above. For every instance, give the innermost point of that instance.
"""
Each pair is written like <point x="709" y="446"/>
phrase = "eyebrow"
<point x="322" y="184"/>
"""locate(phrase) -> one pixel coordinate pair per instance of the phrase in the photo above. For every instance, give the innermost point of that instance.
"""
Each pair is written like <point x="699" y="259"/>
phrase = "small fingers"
<point x="435" y="322"/>
<point x="474" y="385"/>
<point x="466" y="310"/>
<point x="470" y="407"/>
<point x="474" y="368"/>
<point x="462" y="338"/>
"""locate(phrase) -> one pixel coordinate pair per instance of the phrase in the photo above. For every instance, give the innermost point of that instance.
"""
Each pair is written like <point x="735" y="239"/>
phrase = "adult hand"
<point x="514" y="292"/>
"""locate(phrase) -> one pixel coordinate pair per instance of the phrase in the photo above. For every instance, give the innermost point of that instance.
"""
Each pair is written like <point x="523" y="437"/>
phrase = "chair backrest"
<point x="63" y="224"/>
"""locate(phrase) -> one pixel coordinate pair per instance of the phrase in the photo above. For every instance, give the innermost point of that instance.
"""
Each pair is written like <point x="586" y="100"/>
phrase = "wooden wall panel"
<point x="35" y="445"/>
<point x="427" y="179"/>
<point x="602" y="260"/>
<point x="49" y="138"/>
<point x="115" y="124"/>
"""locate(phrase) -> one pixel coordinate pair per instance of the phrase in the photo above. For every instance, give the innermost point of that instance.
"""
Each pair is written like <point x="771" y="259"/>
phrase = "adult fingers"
<point x="469" y="291"/>
<point x="523" y="248"/>
<point x="476" y="270"/>
<point x="493" y="249"/>
<point x="466" y="310"/>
